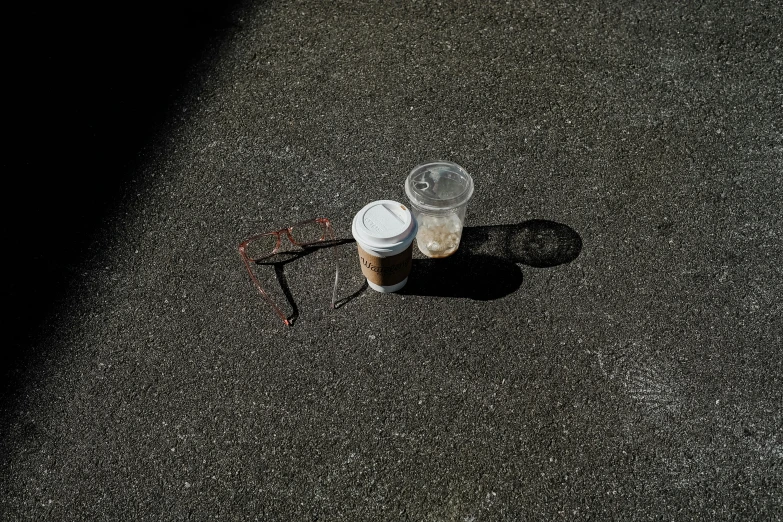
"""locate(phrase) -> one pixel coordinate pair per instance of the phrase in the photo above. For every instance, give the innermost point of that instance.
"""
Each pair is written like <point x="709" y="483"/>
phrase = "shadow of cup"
<point x="538" y="243"/>
<point x="486" y="266"/>
<point x="478" y="277"/>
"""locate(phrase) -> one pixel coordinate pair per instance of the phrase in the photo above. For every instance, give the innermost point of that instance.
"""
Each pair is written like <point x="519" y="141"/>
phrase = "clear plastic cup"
<point x="439" y="192"/>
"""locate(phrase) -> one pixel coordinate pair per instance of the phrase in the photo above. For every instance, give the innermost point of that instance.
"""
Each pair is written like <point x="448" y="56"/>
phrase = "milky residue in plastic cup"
<point x="439" y="192"/>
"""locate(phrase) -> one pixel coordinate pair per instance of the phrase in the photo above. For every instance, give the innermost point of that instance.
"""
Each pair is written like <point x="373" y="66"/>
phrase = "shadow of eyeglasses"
<point x="280" y="259"/>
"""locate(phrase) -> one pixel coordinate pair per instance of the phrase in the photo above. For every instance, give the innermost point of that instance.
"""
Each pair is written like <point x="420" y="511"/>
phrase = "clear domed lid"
<point x="439" y="185"/>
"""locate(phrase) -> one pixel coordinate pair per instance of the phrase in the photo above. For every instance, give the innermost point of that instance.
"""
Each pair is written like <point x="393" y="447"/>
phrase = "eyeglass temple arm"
<point x="249" y="268"/>
<point x="330" y="234"/>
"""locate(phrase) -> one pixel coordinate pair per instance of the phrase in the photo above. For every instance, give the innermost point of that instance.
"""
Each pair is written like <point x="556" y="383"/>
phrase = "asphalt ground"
<point x="605" y="345"/>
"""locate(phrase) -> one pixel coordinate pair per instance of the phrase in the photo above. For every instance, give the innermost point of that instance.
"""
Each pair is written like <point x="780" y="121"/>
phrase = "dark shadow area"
<point x="486" y="265"/>
<point x="538" y="243"/>
<point x="479" y="277"/>
<point x="86" y="86"/>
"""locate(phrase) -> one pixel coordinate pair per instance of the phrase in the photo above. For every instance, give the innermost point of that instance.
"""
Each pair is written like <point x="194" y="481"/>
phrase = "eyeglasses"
<point x="313" y="233"/>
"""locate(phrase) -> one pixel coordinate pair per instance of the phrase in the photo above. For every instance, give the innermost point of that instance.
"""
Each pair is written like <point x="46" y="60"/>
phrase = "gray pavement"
<point x="606" y="344"/>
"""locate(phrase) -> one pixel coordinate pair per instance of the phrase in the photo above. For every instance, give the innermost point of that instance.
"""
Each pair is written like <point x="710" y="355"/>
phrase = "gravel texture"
<point x="605" y="345"/>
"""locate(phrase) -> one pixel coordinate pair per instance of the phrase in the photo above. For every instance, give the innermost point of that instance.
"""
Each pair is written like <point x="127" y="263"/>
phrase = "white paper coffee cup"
<point x="384" y="231"/>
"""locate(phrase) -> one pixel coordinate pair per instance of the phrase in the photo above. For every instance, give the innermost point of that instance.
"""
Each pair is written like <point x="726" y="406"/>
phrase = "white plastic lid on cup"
<point x="385" y="226"/>
<point x="438" y="185"/>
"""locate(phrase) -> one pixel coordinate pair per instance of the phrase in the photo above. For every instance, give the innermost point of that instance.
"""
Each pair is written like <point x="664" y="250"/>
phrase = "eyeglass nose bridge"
<point x="279" y="239"/>
<point x="289" y="235"/>
<point x="279" y="234"/>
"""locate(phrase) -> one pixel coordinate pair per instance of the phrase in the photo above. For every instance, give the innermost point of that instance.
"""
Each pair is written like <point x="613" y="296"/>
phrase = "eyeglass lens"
<point x="308" y="232"/>
<point x="261" y="246"/>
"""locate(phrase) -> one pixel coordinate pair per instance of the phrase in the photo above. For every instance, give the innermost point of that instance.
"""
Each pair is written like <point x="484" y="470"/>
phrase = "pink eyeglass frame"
<point x="327" y="235"/>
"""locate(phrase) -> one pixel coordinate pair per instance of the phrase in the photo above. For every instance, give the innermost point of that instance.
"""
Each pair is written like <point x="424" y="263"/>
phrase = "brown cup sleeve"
<point x="386" y="271"/>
